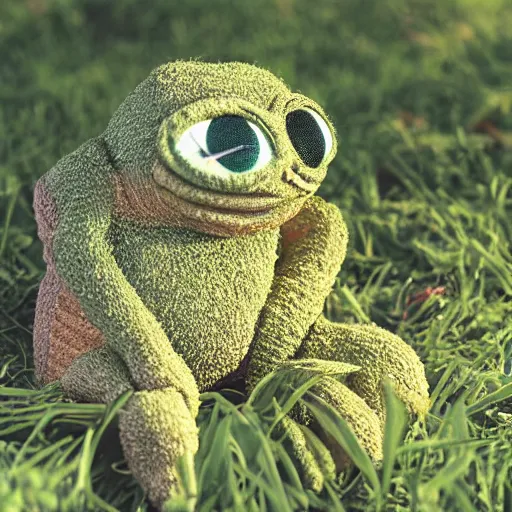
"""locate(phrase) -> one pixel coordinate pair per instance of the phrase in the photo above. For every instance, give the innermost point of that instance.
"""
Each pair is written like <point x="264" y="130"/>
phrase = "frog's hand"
<point x="156" y="427"/>
<point x="81" y="186"/>
<point x="313" y="248"/>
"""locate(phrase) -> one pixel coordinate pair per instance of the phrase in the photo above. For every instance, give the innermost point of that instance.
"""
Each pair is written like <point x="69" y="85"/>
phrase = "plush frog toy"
<point x="185" y="248"/>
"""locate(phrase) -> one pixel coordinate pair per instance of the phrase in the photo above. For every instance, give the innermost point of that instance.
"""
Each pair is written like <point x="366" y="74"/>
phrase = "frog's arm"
<point x="81" y="185"/>
<point x="313" y="248"/>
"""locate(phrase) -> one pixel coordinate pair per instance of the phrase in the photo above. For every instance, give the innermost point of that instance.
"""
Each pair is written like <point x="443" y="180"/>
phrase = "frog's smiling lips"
<point x="254" y="204"/>
<point x="293" y="177"/>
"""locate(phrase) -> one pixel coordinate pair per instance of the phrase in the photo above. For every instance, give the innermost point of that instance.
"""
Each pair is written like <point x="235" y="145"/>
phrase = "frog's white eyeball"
<point x="225" y="146"/>
<point x="310" y="135"/>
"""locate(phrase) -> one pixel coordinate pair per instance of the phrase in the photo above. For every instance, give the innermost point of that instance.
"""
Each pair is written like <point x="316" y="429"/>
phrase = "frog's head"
<point x="228" y="144"/>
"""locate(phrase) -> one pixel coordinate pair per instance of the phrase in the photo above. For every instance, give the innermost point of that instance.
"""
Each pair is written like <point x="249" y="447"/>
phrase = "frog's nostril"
<point x="295" y="167"/>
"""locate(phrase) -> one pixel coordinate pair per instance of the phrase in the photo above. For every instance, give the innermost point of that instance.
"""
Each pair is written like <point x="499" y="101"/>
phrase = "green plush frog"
<point x="185" y="248"/>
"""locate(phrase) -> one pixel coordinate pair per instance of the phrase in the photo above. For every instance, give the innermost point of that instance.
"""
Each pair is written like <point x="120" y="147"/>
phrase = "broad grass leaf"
<point x="320" y="367"/>
<point x="463" y="502"/>
<point x="246" y="439"/>
<point x="208" y="430"/>
<point x="448" y="475"/>
<point x="499" y="395"/>
<point x="268" y="463"/>
<point x="432" y="444"/>
<point x="213" y="472"/>
<point x="335" y="503"/>
<point x="321" y="453"/>
<point x="289" y="467"/>
<point x="396" y="421"/>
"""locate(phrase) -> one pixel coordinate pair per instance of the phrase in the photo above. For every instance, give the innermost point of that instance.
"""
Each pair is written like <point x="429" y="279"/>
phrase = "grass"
<point x="420" y="92"/>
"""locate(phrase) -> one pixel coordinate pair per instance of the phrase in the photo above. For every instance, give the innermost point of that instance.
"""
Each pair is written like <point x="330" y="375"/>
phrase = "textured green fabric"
<point x="191" y="274"/>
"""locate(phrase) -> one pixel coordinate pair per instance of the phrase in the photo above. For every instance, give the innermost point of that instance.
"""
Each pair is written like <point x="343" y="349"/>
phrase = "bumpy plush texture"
<point x="178" y="259"/>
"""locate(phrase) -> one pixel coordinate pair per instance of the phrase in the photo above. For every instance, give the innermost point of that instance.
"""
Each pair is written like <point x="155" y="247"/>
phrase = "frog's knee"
<point x="380" y="354"/>
<point x="97" y="376"/>
<point x="361" y="344"/>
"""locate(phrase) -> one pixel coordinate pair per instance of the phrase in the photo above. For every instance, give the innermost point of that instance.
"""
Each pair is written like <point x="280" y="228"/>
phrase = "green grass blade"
<point x="338" y="428"/>
<point x="396" y="421"/>
<point x="499" y="395"/>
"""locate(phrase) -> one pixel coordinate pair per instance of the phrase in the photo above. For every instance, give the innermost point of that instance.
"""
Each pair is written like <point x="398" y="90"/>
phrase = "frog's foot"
<point x="380" y="354"/>
<point x="320" y="460"/>
<point x="312" y="457"/>
<point x="156" y="427"/>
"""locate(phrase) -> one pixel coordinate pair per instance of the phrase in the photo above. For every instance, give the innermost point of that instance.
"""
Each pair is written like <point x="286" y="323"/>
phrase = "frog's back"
<point x="62" y="332"/>
<point x="206" y="291"/>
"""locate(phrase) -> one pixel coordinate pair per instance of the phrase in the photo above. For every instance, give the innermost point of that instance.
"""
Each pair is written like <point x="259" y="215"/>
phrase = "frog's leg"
<point x="379" y="353"/>
<point x="156" y="427"/>
<point x="359" y="400"/>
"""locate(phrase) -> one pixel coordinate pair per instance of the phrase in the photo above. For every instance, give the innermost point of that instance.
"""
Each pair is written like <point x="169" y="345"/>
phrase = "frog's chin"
<point x="224" y="214"/>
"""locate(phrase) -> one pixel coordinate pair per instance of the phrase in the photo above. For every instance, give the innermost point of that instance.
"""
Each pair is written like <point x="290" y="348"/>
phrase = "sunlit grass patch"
<point x="66" y="456"/>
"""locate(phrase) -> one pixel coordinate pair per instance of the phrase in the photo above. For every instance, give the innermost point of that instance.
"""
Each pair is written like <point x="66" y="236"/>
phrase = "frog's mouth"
<point x="239" y="205"/>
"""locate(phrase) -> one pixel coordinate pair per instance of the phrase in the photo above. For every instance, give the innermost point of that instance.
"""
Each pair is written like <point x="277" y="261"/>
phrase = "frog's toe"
<point x="313" y="459"/>
<point x="156" y="428"/>
<point x="363" y="421"/>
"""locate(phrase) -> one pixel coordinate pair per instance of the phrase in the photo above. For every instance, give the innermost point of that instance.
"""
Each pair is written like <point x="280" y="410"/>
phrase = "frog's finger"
<point x="322" y="457"/>
<point x="363" y="421"/>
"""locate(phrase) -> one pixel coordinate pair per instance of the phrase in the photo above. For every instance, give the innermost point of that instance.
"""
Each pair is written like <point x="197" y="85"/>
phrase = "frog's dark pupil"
<point x="306" y="136"/>
<point x="229" y="132"/>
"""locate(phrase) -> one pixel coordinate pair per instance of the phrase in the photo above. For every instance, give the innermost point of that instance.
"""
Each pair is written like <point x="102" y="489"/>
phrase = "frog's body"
<point x="185" y="244"/>
<point x="219" y="285"/>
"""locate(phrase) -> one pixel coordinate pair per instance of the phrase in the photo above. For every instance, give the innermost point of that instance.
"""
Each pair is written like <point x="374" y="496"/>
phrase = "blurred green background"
<point x="67" y="64"/>
<point x="420" y="92"/>
<point x="393" y="75"/>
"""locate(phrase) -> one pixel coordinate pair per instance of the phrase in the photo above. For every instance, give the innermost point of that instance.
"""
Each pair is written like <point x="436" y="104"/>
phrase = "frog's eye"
<point x="225" y="145"/>
<point x="310" y="136"/>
